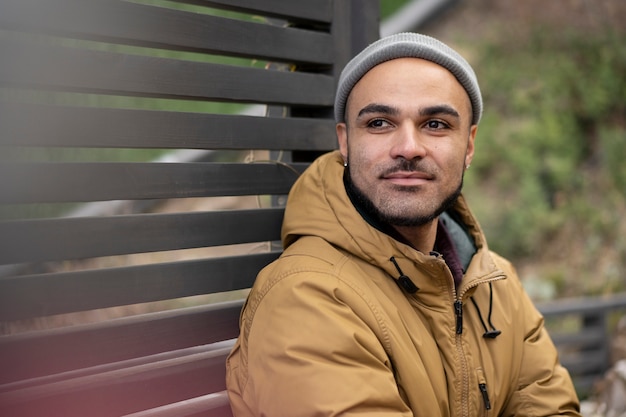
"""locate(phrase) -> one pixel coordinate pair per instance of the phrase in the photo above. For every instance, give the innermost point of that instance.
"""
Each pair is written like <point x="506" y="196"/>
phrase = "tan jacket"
<point x="326" y="330"/>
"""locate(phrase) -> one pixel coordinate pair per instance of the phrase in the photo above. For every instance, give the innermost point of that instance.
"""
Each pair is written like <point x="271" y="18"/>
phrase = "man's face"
<point x="407" y="139"/>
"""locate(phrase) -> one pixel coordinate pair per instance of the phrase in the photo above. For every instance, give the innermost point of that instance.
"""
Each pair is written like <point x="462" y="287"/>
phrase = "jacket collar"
<point x="319" y="205"/>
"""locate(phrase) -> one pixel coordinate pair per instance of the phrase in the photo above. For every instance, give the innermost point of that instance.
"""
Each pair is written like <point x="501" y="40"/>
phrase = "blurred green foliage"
<point x="551" y="146"/>
<point x="388" y="7"/>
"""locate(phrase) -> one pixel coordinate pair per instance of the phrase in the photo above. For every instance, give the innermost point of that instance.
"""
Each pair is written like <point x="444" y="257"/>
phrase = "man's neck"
<point x="421" y="237"/>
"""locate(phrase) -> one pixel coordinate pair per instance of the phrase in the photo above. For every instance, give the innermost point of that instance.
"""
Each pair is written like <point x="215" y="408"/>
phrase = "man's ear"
<point x="342" y="139"/>
<point x="469" y="154"/>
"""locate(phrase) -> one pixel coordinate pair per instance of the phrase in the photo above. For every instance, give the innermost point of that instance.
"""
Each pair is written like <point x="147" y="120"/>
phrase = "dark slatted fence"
<point x="584" y="330"/>
<point x="108" y="111"/>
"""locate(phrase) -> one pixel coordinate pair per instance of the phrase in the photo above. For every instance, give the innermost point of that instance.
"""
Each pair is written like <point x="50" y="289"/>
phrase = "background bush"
<point x="550" y="155"/>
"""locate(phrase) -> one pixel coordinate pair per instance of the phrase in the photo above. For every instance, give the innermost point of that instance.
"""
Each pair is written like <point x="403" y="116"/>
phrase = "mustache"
<point x="404" y="165"/>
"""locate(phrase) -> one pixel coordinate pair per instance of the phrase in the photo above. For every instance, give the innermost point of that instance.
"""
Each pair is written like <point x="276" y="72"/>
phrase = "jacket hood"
<point x="318" y="205"/>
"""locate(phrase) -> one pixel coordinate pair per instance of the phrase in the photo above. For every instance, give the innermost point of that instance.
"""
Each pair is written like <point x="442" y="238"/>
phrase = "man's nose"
<point x="407" y="143"/>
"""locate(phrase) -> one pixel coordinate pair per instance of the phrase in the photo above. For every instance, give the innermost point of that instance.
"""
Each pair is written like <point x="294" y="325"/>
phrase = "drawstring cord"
<point x="493" y="332"/>
<point x="403" y="281"/>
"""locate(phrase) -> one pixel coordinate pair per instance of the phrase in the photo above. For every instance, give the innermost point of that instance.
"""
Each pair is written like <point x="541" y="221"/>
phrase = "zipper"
<point x="458" y="312"/>
<point x="458" y="342"/>
<point x="482" y="387"/>
<point x="483" y="390"/>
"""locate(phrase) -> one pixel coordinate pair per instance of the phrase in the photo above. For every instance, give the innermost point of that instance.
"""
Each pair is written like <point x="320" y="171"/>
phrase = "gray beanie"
<point x="407" y="45"/>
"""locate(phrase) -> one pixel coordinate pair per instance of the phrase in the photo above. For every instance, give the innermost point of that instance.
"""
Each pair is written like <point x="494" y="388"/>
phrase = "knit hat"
<point x="407" y="45"/>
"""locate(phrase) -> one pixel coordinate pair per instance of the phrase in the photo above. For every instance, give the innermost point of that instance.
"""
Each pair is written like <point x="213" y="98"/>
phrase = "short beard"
<point x="368" y="209"/>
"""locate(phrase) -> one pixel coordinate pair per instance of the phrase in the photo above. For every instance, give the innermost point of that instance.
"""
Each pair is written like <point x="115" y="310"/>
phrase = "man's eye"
<point x="378" y="123"/>
<point x="435" y="124"/>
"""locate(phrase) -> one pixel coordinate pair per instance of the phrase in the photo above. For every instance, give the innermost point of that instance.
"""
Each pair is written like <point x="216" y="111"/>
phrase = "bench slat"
<point x="99" y="127"/>
<point x="75" y="182"/>
<point x="584" y="363"/>
<point x="115" y="366"/>
<point x="58" y="239"/>
<point x="87" y="71"/>
<point x="589" y="337"/>
<point x="158" y="27"/>
<point x="582" y="306"/>
<point x="211" y="405"/>
<point x="319" y="10"/>
<point x="32" y="355"/>
<point x="32" y="296"/>
<point x="123" y="390"/>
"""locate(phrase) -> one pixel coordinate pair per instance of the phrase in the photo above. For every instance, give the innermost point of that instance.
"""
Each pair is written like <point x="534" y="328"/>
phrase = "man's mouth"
<point x="408" y="178"/>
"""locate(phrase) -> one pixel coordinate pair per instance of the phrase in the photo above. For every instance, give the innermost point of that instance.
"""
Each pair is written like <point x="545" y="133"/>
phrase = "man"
<point x="387" y="301"/>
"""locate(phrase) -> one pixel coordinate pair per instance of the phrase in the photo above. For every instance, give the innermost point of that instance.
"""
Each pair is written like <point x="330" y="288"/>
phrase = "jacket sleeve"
<point x="544" y="387"/>
<point x="309" y="347"/>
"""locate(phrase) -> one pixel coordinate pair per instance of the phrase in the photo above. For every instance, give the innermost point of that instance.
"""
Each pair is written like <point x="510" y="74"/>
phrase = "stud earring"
<point x="345" y="163"/>
<point x="467" y="166"/>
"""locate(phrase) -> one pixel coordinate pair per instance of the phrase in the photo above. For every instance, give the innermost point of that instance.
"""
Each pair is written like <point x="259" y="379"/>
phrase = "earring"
<point x="467" y="166"/>
<point x="345" y="163"/>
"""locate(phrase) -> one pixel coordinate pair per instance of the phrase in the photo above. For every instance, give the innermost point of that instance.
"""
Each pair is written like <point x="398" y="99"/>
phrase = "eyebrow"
<point x="442" y="109"/>
<point x="378" y="108"/>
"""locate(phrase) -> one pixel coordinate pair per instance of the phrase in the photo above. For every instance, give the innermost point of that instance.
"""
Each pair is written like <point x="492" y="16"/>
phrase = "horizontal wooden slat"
<point x="49" y="352"/>
<point x="117" y="128"/>
<point x="70" y="69"/>
<point x="589" y="337"/>
<point x="77" y="238"/>
<point x="583" y="306"/>
<point x="211" y="405"/>
<point x="158" y="27"/>
<point x="123" y="390"/>
<point x="81" y="182"/>
<point x="319" y="10"/>
<point x="47" y="294"/>
<point x="584" y="363"/>
<point x="114" y="366"/>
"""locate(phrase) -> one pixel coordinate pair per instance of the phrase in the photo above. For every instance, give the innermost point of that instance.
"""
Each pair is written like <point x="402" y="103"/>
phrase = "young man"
<point x="387" y="300"/>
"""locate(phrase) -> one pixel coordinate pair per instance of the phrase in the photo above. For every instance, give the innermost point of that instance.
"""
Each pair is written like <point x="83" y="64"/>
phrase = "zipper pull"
<point x="483" y="390"/>
<point x="458" y="311"/>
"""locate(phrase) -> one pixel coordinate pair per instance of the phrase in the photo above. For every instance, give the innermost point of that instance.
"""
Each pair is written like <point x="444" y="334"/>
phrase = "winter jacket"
<point x="328" y="329"/>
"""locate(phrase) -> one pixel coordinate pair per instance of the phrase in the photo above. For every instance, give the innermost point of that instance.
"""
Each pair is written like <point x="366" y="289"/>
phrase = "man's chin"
<point x="411" y="213"/>
<point x="415" y="214"/>
<point x="410" y="220"/>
